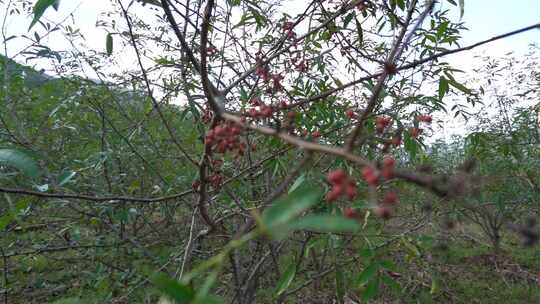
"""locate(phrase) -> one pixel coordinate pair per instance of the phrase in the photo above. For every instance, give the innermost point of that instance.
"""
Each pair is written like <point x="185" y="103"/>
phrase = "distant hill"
<point x="16" y="70"/>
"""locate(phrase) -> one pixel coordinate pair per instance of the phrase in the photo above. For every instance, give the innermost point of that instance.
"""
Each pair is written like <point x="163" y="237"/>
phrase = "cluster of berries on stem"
<point x="416" y="131"/>
<point x="288" y="29"/>
<point x="373" y="176"/>
<point x="225" y="137"/>
<point x="258" y="109"/>
<point x="272" y="80"/>
<point x="342" y="185"/>
<point x="381" y="123"/>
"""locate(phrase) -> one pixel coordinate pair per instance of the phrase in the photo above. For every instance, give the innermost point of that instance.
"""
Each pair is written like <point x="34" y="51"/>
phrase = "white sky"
<point x="485" y="18"/>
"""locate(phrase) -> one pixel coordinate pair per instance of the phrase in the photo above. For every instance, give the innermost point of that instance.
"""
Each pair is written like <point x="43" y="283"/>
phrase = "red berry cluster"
<point x="388" y="165"/>
<point x="263" y="71"/>
<point x="383" y="212"/>
<point x="424" y="118"/>
<point x="416" y="131"/>
<point x="361" y="6"/>
<point x="259" y="109"/>
<point x="215" y="180"/>
<point x="276" y="83"/>
<point x="207" y="116"/>
<point x="352" y="213"/>
<point x="350" y="114"/>
<point x="390" y="198"/>
<point x="196" y="184"/>
<point x="211" y="51"/>
<point x="384" y="209"/>
<point x="264" y="111"/>
<point x="396" y="140"/>
<point x="288" y="29"/>
<point x="301" y="66"/>
<point x="372" y="175"/>
<point x="342" y="184"/>
<point x="381" y="123"/>
<point x="225" y="137"/>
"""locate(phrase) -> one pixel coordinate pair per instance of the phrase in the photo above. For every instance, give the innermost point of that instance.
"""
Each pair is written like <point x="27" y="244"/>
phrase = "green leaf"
<point x="325" y="223"/>
<point x="368" y="273"/>
<point x="204" y="290"/>
<point x="65" y="177"/>
<point x="40" y="7"/>
<point x="410" y="145"/>
<point x="68" y="301"/>
<point x="401" y="4"/>
<point x="286" y="279"/>
<point x="298" y="182"/>
<point x="413" y="250"/>
<point x="371" y="290"/>
<point x="387" y="265"/>
<point x="461" y="8"/>
<point x="21" y="161"/>
<point x="173" y="289"/>
<point x="109" y="44"/>
<point x="11" y="215"/>
<point x="360" y="32"/>
<point x="459" y="86"/>
<point x="442" y="29"/>
<point x="390" y="282"/>
<point x="348" y="19"/>
<point x="443" y="87"/>
<point x="434" y="286"/>
<point x="209" y="300"/>
<point x="367" y="253"/>
<point x="340" y="284"/>
<point x="291" y="206"/>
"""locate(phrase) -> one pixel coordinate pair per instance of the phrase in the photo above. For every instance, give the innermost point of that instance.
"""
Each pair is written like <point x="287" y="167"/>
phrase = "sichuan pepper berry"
<point x="370" y="175"/>
<point x="342" y="185"/>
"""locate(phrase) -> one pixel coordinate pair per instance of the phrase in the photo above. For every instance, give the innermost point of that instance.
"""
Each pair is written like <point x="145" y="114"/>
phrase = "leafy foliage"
<point x="249" y="153"/>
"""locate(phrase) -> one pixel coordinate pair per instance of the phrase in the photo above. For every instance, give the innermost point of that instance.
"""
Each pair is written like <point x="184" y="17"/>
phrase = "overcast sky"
<point x="484" y="18"/>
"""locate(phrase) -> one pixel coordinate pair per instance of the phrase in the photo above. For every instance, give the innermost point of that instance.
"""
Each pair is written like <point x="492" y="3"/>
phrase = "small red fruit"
<point x="316" y="134"/>
<point x="396" y="141"/>
<point x="351" y="192"/>
<point x="388" y="167"/>
<point x="381" y="123"/>
<point x="255" y="101"/>
<point x="387" y="173"/>
<point x="220" y="131"/>
<point x="350" y="114"/>
<point x="266" y="111"/>
<point x="383" y="212"/>
<point x="334" y="194"/>
<point x="337" y="176"/>
<point x="389" y="162"/>
<point x="292" y="115"/>
<point x="350" y="213"/>
<point x="425" y="118"/>
<point x="288" y="25"/>
<point x="390" y="198"/>
<point x="370" y="176"/>
<point x="415" y="132"/>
